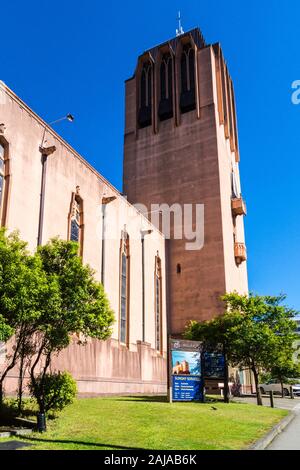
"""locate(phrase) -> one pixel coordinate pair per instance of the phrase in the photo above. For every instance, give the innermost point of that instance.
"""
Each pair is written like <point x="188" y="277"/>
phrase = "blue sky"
<point x="70" y="56"/>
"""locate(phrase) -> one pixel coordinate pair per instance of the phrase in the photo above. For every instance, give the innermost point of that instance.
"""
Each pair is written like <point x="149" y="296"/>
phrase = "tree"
<point x="55" y="390"/>
<point x="79" y="309"/>
<point x="254" y="331"/>
<point x="284" y="370"/>
<point x="22" y="293"/>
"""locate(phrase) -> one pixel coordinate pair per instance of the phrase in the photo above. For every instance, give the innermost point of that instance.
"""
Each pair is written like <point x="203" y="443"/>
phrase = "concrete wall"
<point x="67" y="172"/>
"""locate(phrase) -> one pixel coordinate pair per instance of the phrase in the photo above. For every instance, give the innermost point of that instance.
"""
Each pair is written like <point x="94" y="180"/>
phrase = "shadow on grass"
<point x="83" y="443"/>
<point x="164" y="399"/>
<point x="9" y="416"/>
<point x="150" y="399"/>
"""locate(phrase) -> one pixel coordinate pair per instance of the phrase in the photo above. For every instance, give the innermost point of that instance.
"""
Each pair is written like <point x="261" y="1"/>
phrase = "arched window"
<point x="187" y="68"/>
<point x="4" y="176"/>
<point x="145" y="105"/>
<point x="76" y="220"/>
<point x="165" y="110"/>
<point x="124" y="289"/>
<point x="158" y="304"/>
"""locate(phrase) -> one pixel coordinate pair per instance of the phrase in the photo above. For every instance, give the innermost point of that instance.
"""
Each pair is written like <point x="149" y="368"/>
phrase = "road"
<point x="284" y="403"/>
<point x="289" y="439"/>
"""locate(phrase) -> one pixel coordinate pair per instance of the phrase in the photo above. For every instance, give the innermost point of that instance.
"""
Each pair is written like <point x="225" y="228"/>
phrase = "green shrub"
<point x="54" y="391"/>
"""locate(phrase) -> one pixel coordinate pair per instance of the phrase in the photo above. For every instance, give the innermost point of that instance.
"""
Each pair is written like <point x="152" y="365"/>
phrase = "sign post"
<point x="185" y="371"/>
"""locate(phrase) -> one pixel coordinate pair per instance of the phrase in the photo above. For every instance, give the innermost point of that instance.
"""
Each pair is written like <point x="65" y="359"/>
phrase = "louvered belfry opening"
<point x="187" y="69"/>
<point x="145" y="108"/>
<point x="165" y="110"/>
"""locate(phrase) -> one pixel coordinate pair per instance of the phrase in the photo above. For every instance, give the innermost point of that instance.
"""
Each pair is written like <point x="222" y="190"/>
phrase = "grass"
<point x="152" y="423"/>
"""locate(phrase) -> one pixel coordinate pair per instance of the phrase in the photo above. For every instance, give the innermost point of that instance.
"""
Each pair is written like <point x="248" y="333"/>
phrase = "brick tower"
<point x="181" y="147"/>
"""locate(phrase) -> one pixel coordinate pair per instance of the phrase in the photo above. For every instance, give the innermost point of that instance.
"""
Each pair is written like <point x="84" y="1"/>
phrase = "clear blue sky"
<point x="70" y="56"/>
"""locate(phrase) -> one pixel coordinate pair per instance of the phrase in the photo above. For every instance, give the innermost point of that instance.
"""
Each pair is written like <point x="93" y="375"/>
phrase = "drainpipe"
<point x="168" y="326"/>
<point x="45" y="151"/>
<point x="105" y="201"/>
<point x="143" y="234"/>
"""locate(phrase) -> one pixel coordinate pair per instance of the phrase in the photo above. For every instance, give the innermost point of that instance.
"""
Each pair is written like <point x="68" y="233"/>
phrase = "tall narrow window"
<point x="76" y="220"/>
<point x="124" y="289"/>
<point x="234" y="186"/>
<point x="187" y="67"/>
<point x="158" y="304"/>
<point x="145" y="105"/>
<point x="165" y="110"/>
<point x="3" y="182"/>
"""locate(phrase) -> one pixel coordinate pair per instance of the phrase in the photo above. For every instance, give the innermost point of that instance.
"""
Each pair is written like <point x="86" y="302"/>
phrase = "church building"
<point x="180" y="150"/>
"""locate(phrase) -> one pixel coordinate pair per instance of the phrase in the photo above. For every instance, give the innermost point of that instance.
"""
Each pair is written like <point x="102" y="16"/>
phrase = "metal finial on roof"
<point x="179" y="31"/>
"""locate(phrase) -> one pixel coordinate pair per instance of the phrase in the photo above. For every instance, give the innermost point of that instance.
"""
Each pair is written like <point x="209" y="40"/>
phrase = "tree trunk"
<point x="1" y="393"/>
<point x="226" y="378"/>
<point x="20" y="384"/>
<point x="258" y="394"/>
<point x="282" y="392"/>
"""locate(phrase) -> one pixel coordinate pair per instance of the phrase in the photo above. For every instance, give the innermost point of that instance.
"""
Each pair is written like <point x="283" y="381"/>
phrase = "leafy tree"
<point x="284" y="370"/>
<point x="254" y="331"/>
<point x="46" y="299"/>
<point x="22" y="292"/>
<point x="53" y="391"/>
<point x="79" y="309"/>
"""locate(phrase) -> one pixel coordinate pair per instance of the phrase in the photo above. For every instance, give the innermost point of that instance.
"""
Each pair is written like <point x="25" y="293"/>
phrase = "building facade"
<point x="181" y="149"/>
<point x="48" y="190"/>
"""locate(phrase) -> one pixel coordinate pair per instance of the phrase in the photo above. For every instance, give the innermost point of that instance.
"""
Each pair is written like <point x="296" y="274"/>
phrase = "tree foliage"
<point x="255" y="331"/>
<point x="53" y="392"/>
<point x="46" y="300"/>
<point x="285" y="370"/>
<point x="22" y="295"/>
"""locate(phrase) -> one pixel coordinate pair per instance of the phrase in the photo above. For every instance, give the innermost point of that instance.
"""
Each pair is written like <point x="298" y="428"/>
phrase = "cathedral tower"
<point x="181" y="147"/>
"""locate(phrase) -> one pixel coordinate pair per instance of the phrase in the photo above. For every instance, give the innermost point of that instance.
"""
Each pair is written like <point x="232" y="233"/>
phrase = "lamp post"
<point x="46" y="151"/>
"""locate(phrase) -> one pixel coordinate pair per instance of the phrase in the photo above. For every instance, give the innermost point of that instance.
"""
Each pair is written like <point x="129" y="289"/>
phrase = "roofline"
<point x="168" y="42"/>
<point x="22" y="104"/>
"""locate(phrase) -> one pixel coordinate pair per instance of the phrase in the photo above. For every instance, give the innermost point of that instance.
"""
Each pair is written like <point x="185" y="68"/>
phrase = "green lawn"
<point x="152" y="423"/>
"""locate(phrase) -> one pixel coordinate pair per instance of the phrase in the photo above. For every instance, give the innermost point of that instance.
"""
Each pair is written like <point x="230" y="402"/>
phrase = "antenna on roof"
<point x="179" y="31"/>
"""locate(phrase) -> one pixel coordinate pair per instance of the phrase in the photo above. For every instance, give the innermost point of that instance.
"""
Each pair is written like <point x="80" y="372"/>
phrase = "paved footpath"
<point x="289" y="439"/>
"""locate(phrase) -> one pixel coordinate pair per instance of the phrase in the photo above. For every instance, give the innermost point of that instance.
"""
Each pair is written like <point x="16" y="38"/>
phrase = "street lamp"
<point x="46" y="151"/>
<point x="68" y="117"/>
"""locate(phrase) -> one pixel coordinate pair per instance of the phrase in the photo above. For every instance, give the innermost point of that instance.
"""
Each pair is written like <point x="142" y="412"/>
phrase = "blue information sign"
<point x="187" y="388"/>
<point x="214" y="366"/>
<point x="186" y="371"/>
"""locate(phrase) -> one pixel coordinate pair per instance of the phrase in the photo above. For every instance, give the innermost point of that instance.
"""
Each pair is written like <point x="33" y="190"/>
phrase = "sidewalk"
<point x="289" y="439"/>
